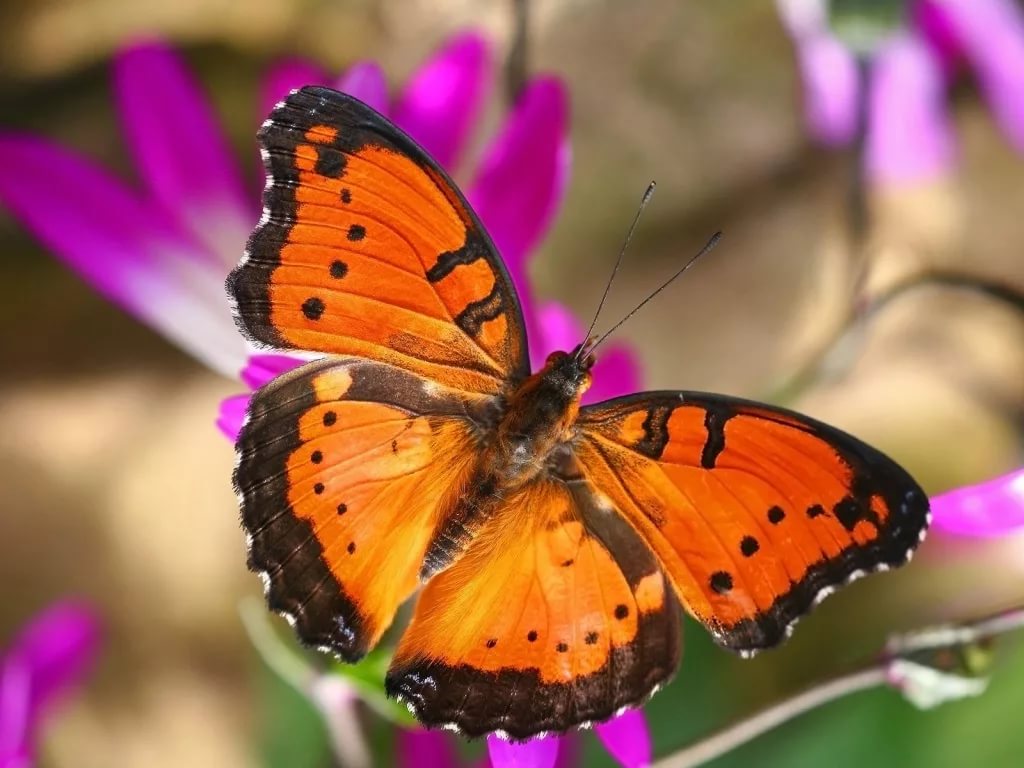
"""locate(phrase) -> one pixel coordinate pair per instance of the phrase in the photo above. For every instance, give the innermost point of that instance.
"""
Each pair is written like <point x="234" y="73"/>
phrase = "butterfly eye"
<point x="555" y="357"/>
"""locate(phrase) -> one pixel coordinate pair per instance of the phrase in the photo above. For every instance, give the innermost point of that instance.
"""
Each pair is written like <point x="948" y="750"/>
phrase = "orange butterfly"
<point x="554" y="542"/>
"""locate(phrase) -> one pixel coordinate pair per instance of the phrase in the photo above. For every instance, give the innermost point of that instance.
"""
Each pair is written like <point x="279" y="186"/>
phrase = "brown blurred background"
<point x="116" y="485"/>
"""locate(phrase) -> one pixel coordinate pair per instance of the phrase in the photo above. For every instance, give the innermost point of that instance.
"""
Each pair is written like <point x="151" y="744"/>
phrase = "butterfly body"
<point x="552" y="544"/>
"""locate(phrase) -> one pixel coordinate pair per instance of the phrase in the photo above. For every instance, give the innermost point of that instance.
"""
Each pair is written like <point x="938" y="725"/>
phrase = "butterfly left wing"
<point x="345" y="468"/>
<point x="556" y="615"/>
<point x="367" y="248"/>
<point x="754" y="512"/>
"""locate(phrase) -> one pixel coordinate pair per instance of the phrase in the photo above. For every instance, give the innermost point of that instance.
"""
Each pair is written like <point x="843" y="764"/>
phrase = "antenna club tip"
<point x="648" y="192"/>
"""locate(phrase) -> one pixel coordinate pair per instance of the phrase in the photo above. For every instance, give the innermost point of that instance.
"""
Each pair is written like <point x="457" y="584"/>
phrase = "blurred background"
<point x="884" y="299"/>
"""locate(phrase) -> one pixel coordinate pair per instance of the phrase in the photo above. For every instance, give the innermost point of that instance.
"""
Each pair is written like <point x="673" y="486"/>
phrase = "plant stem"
<point x="899" y="646"/>
<point x="515" y="65"/>
<point x="751" y="727"/>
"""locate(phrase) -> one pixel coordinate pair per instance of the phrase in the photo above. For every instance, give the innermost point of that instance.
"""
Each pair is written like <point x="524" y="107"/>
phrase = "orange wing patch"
<point x="755" y="514"/>
<point x="338" y="461"/>
<point x="367" y="248"/>
<point x="556" y="615"/>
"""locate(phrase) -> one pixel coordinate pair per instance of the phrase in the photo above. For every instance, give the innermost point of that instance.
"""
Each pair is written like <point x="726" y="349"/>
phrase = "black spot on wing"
<point x="478" y="312"/>
<point x="473" y="250"/>
<point x="655" y="428"/>
<point x="714" y="421"/>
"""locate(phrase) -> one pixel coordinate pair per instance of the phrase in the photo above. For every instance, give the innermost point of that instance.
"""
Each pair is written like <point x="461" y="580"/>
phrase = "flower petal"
<point x="424" y="749"/>
<point x="523" y="175"/>
<point x="51" y="654"/>
<point x="993" y="508"/>
<point x="262" y="368"/>
<point x="536" y="753"/>
<point x="285" y="76"/>
<point x="616" y="373"/>
<point x="231" y="415"/>
<point x="130" y="252"/>
<point x="442" y="100"/>
<point x="558" y="330"/>
<point x="991" y="35"/>
<point x="365" y="81"/>
<point x="180" y="150"/>
<point x="627" y="739"/>
<point x="829" y="76"/>
<point x="910" y="138"/>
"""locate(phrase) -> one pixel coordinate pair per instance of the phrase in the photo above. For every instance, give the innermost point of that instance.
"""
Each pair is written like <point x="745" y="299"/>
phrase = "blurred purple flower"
<point x="992" y="508"/>
<point x="48" y="656"/>
<point x="159" y="249"/>
<point x="625" y="737"/>
<point x="909" y="135"/>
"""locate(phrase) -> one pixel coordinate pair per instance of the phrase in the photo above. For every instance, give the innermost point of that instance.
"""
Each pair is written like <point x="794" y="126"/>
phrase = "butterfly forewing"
<point x="755" y="512"/>
<point x="367" y="248"/>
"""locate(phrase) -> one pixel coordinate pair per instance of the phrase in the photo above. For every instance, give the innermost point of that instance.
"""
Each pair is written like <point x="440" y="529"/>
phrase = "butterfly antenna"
<point x="703" y="252"/>
<point x="615" y="270"/>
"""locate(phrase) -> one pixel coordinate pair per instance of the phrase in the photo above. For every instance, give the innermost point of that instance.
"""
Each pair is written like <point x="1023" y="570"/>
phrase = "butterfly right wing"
<point x="756" y="513"/>
<point x="345" y="467"/>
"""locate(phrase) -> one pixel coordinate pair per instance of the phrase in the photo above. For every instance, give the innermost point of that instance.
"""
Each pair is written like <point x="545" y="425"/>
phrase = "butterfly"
<point x="554" y="545"/>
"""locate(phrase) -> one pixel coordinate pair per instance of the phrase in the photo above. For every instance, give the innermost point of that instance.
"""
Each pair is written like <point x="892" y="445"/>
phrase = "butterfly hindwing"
<point x="556" y="615"/>
<point x="754" y="512"/>
<point x="367" y="248"/>
<point x="344" y="467"/>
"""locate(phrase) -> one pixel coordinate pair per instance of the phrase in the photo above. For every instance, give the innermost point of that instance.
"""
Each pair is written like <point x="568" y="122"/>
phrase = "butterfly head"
<point x="569" y="371"/>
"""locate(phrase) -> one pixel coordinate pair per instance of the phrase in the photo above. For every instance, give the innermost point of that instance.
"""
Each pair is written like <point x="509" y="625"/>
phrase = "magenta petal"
<point x="91" y="220"/>
<point x="523" y="174"/>
<point x="993" y="508"/>
<point x="910" y="138"/>
<point x="442" y="100"/>
<point x="558" y="330"/>
<point x="284" y="77"/>
<point x="991" y="35"/>
<point x="50" y="655"/>
<point x="627" y="739"/>
<point x="180" y="150"/>
<point x="616" y="373"/>
<point x="262" y="368"/>
<point x="425" y="749"/>
<point x="365" y="81"/>
<point x="829" y="76"/>
<point x="536" y="753"/>
<point x="128" y="251"/>
<point x="232" y="415"/>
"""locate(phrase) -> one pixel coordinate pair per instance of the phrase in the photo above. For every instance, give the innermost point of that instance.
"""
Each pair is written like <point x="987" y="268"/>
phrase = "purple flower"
<point x="909" y="135"/>
<point x="48" y="656"/>
<point x="992" y="508"/>
<point x="159" y="248"/>
<point x="625" y="737"/>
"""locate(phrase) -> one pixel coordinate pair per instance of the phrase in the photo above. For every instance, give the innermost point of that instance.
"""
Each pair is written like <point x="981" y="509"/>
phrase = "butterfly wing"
<point x="556" y="615"/>
<point x="344" y="469"/>
<point x="367" y="248"/>
<point x="754" y="512"/>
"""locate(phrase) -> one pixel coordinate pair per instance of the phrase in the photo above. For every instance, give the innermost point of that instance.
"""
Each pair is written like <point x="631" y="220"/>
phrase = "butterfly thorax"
<point x="540" y="416"/>
<point x="539" y="419"/>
